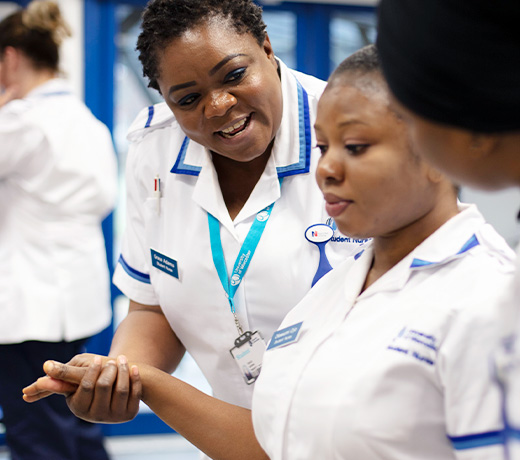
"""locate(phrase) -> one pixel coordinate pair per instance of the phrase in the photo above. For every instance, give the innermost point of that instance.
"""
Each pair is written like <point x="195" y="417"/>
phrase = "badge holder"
<point x="320" y="235"/>
<point x="248" y="353"/>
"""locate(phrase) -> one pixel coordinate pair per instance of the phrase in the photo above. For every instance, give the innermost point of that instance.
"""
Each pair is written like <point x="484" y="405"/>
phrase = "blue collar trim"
<point x="358" y="255"/>
<point x="182" y="168"/>
<point x="305" y="137"/>
<point x="150" y="116"/>
<point x="472" y="242"/>
<point x="303" y="165"/>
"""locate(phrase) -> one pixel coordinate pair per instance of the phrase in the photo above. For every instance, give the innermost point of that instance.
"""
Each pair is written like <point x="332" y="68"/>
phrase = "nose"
<point x="219" y="103"/>
<point x="331" y="168"/>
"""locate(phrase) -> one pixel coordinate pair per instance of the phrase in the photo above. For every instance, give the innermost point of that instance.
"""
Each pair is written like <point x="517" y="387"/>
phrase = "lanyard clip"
<point x="237" y="324"/>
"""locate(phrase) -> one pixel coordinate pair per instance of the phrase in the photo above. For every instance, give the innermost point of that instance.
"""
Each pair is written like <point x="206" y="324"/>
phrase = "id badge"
<point x="248" y="353"/>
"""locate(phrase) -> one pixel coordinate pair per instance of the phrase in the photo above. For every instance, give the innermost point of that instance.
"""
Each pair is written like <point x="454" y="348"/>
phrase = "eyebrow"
<point x="212" y="72"/>
<point x="341" y="124"/>
<point x="222" y="63"/>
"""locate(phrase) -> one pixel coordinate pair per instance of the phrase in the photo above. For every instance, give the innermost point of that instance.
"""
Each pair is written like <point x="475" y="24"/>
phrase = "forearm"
<point x="145" y="336"/>
<point x="221" y="430"/>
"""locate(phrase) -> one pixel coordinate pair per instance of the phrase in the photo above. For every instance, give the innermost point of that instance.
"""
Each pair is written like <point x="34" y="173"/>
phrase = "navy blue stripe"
<point x="305" y="132"/>
<point x="180" y="167"/>
<point x="420" y="263"/>
<point x="358" y="255"/>
<point x="471" y="243"/>
<point x="133" y="273"/>
<point x="513" y="433"/>
<point x="57" y="93"/>
<point x="472" y="441"/>
<point x="150" y="116"/>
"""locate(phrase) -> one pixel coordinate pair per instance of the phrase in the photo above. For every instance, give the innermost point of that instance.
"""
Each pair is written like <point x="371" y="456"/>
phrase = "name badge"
<point x="165" y="264"/>
<point x="285" y="336"/>
<point x="248" y="353"/>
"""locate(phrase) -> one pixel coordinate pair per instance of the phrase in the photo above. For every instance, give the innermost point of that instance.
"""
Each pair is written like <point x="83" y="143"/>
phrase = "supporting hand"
<point x="106" y="391"/>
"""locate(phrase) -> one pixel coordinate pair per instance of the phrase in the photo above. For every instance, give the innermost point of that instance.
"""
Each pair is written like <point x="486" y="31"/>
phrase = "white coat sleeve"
<point x="472" y="396"/>
<point x="132" y="273"/>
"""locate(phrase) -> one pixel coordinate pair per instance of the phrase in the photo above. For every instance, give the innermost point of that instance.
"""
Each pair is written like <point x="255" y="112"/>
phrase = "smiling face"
<point x="372" y="182"/>
<point x="223" y="89"/>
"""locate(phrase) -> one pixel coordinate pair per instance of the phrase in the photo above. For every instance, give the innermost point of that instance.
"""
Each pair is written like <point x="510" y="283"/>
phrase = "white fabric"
<point x="507" y="362"/>
<point x="283" y="265"/>
<point x="391" y="372"/>
<point x="58" y="181"/>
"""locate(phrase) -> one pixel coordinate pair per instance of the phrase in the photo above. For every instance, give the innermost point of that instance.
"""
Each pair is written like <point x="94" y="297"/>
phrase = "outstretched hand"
<point x="97" y="389"/>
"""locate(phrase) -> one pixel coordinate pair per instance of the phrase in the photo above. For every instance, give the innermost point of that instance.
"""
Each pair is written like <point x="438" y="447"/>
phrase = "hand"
<point x="103" y="392"/>
<point x="47" y="386"/>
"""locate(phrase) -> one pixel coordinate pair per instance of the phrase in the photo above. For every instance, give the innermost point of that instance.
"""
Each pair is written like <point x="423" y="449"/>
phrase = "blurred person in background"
<point x="57" y="183"/>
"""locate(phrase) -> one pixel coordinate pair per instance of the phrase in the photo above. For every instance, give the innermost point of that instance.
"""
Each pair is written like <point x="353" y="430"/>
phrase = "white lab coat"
<point x="400" y="371"/>
<point x="58" y="181"/>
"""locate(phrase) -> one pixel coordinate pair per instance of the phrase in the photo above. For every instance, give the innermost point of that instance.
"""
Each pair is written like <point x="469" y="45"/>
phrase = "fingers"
<point x="122" y="388"/>
<point x="83" y="360"/>
<point x="46" y="386"/>
<point x="64" y="372"/>
<point x="107" y="393"/>
<point x="136" y="391"/>
<point x="81" y="401"/>
<point x="102" y="402"/>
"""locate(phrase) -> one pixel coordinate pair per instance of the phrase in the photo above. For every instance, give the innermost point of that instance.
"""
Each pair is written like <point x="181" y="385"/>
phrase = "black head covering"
<point x="455" y="62"/>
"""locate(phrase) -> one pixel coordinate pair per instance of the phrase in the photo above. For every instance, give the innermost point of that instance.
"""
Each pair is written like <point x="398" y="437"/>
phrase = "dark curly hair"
<point x="166" y="20"/>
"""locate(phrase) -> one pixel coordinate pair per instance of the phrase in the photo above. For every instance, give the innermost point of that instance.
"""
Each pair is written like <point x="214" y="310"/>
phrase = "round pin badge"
<point x="319" y="233"/>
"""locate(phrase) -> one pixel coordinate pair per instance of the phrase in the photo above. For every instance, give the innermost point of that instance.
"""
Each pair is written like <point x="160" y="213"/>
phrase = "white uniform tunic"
<point x="506" y="367"/>
<point x="58" y="180"/>
<point x="399" y="371"/>
<point x="176" y="227"/>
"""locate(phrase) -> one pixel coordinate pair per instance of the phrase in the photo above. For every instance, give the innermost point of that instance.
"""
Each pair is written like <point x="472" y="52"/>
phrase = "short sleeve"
<point x="132" y="273"/>
<point x="472" y="396"/>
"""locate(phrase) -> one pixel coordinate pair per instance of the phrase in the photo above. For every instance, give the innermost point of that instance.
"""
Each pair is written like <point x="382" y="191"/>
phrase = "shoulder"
<point x="150" y="120"/>
<point x="328" y="291"/>
<point x="313" y="86"/>
<point x="15" y="109"/>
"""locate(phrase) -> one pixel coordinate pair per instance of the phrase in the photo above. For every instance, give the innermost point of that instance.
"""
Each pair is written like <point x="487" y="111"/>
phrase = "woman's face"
<point x="223" y="89"/>
<point x="372" y="183"/>
<point x="452" y="151"/>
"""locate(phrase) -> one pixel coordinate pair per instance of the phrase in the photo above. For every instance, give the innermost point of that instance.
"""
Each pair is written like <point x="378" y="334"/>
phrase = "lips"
<point x="235" y="129"/>
<point x="335" y="205"/>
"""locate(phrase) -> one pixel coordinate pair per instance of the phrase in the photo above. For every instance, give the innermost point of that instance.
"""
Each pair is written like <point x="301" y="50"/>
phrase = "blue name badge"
<point x="285" y="336"/>
<point x="165" y="264"/>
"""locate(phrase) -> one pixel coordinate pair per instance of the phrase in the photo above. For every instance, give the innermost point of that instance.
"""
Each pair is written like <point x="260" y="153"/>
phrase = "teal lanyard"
<point x="244" y="257"/>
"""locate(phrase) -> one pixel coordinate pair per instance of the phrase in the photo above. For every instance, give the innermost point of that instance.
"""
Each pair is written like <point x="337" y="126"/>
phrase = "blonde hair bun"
<point x="45" y="16"/>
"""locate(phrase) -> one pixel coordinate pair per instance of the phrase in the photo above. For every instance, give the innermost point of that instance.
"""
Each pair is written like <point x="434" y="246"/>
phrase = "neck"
<point x="390" y="249"/>
<point x="238" y="179"/>
<point x="34" y="79"/>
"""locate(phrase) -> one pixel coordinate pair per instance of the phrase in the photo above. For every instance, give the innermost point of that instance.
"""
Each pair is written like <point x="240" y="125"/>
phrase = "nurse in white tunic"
<point x="388" y="356"/>
<point x="385" y="358"/>
<point x="221" y="191"/>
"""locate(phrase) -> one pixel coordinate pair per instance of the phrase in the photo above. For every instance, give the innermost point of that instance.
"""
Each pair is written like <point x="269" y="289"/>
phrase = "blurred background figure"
<point x="58" y="179"/>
